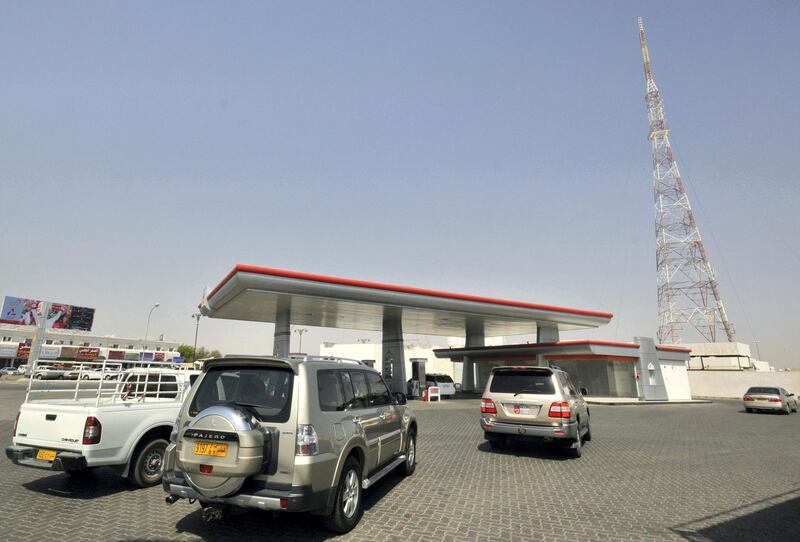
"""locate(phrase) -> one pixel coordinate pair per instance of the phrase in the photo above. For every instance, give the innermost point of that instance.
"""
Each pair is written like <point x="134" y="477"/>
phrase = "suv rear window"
<point x="267" y="390"/>
<point x="521" y="381"/>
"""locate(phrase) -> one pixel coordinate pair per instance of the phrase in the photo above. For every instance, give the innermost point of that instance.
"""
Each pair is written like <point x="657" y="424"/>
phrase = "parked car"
<point x="294" y="435"/>
<point x="49" y="373"/>
<point x="534" y="404"/>
<point x="126" y="427"/>
<point x="447" y="388"/>
<point x="9" y="371"/>
<point x="769" y="398"/>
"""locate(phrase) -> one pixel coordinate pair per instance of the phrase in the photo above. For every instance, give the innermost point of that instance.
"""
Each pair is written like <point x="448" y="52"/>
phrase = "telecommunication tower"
<point x="688" y="293"/>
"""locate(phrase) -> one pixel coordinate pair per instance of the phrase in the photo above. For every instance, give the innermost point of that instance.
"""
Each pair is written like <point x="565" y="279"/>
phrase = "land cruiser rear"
<point x="534" y="404"/>
<point x="294" y="435"/>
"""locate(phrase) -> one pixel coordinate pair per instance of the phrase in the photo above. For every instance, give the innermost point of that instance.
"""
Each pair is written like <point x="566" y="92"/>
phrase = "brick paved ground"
<point x="690" y="472"/>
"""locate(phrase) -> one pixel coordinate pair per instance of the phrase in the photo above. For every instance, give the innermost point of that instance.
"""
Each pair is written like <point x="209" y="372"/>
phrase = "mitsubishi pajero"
<point x="295" y="435"/>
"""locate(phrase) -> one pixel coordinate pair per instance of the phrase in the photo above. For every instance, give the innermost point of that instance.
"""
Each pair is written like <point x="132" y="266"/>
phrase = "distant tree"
<point x="202" y="353"/>
<point x="215" y="354"/>
<point x="186" y="351"/>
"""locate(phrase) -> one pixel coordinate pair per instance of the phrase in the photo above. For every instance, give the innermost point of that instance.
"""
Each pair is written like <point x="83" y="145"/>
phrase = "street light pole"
<point x="196" y="316"/>
<point x="300" y="333"/>
<point x="147" y="327"/>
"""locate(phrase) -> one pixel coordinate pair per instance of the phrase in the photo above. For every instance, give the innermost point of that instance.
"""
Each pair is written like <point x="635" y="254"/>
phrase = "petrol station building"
<point x="287" y="298"/>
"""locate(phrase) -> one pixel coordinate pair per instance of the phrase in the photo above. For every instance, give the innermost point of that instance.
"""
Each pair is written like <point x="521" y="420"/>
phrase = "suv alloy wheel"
<point x="348" y="505"/>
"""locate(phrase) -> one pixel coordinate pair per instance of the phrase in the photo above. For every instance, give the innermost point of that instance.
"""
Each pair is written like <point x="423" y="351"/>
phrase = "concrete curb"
<point x="645" y="403"/>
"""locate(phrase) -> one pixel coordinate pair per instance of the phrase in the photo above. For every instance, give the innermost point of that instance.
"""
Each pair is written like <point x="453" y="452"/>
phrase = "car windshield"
<point x="267" y="390"/>
<point x="764" y="391"/>
<point x="517" y="381"/>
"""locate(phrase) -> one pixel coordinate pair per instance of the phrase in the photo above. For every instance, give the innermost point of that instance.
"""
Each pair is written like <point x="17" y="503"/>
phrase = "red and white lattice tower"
<point x="688" y="293"/>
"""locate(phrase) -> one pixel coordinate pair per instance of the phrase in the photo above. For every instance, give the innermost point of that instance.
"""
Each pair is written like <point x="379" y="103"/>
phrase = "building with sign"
<point x="67" y="345"/>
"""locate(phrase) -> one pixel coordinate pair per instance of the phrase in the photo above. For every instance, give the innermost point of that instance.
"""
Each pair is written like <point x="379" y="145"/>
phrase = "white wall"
<point x="730" y="384"/>
<point x="676" y="380"/>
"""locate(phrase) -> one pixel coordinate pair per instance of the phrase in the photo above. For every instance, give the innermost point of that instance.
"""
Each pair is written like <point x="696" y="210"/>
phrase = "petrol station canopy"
<point x="259" y="294"/>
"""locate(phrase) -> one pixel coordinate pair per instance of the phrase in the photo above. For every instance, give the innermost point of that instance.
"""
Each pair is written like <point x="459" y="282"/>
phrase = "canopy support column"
<point x="474" y="337"/>
<point x="393" y="355"/>
<point x="283" y="331"/>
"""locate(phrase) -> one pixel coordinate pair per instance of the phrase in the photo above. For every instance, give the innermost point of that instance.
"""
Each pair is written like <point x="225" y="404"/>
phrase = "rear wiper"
<point x="523" y="391"/>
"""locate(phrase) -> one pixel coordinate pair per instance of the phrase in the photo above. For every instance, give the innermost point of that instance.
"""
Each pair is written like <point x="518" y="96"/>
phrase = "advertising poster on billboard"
<point x="48" y="352"/>
<point x="19" y="311"/>
<point x="25" y="312"/>
<point x="23" y="351"/>
<point x="116" y="354"/>
<point x="158" y="356"/>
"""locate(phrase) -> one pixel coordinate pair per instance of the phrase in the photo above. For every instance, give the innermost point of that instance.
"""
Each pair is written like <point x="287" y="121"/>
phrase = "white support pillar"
<point x="474" y="337"/>
<point x="283" y="331"/>
<point x="393" y="355"/>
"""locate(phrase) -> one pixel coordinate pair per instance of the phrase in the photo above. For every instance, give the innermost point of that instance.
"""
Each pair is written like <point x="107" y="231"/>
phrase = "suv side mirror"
<point x="584" y="391"/>
<point x="400" y="398"/>
<point x="789" y="395"/>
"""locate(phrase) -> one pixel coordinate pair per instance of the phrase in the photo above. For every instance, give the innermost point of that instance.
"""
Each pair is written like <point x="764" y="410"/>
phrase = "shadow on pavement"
<point x="86" y="485"/>
<point x="775" y="522"/>
<point x="526" y="449"/>
<point x="257" y="525"/>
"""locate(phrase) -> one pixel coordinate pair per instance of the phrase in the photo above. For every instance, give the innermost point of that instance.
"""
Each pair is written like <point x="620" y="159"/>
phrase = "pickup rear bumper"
<point x="64" y="461"/>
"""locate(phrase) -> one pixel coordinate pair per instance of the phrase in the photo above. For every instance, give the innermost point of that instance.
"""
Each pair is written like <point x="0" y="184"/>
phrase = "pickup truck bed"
<point x="73" y="434"/>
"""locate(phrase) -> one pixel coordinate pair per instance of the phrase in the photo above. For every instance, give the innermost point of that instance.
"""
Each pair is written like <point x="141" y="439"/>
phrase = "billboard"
<point x="69" y="352"/>
<point x="8" y="350"/>
<point x="26" y="312"/>
<point x="24" y="350"/>
<point x="49" y="352"/>
<point x="88" y="354"/>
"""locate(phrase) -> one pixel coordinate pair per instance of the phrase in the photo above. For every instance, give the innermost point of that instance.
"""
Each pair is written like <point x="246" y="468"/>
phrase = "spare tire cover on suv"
<point x="229" y="440"/>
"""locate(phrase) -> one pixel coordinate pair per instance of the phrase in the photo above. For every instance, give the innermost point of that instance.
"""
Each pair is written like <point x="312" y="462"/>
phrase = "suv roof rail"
<point x="331" y="359"/>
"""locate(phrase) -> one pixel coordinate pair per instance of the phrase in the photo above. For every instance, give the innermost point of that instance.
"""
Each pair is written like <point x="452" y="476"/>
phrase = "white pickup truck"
<point x="124" y="424"/>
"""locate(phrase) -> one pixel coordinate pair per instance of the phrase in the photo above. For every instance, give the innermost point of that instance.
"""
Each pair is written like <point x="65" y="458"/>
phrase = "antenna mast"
<point x="688" y="293"/>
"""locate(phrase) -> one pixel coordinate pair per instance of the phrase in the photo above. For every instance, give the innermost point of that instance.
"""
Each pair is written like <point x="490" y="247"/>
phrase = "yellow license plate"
<point x="46" y="455"/>
<point x="215" y="449"/>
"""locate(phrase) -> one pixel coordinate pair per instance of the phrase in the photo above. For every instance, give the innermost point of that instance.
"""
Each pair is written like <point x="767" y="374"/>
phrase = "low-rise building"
<point x="64" y="345"/>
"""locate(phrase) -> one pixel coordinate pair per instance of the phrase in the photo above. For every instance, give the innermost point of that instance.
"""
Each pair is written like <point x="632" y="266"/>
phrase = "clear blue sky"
<point x="495" y="149"/>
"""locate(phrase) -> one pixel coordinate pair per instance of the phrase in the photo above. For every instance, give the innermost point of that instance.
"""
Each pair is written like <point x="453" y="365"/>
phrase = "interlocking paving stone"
<point x="688" y="472"/>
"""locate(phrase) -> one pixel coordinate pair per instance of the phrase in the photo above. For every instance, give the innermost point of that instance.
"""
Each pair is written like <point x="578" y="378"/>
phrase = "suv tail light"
<point x="92" y="430"/>
<point x="748" y="398"/>
<point x="16" y="421"/>
<point x="560" y="410"/>
<point x="307" y="440"/>
<point x="488" y="407"/>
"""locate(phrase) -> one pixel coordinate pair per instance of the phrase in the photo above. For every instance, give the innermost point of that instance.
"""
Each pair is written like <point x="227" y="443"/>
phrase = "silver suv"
<point x="534" y="404"/>
<point x="295" y="435"/>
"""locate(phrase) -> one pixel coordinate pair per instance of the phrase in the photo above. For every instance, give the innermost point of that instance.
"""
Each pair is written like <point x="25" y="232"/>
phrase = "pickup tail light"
<point x="16" y="421"/>
<point x="748" y="398"/>
<point x="307" y="440"/>
<point x="560" y="410"/>
<point x="488" y="407"/>
<point x="92" y="430"/>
